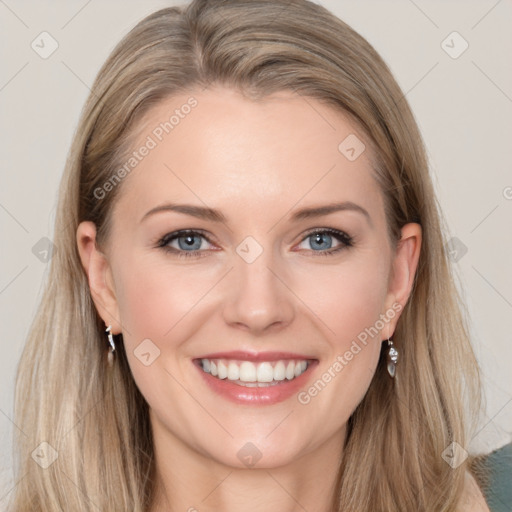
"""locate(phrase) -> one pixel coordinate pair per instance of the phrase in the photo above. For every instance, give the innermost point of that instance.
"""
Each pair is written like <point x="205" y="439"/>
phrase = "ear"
<point x="405" y="263"/>
<point x="99" y="275"/>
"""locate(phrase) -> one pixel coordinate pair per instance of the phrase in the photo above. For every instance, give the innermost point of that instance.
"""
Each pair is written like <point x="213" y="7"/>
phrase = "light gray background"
<point x="463" y="107"/>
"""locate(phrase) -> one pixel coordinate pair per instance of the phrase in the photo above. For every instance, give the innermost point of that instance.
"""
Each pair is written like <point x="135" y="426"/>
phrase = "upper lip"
<point x="255" y="356"/>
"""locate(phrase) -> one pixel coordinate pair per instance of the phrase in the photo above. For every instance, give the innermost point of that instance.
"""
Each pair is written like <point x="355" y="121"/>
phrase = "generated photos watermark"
<point x="342" y="360"/>
<point x="157" y="135"/>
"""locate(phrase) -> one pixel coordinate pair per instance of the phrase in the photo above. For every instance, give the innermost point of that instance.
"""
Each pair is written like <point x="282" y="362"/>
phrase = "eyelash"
<point x="346" y="240"/>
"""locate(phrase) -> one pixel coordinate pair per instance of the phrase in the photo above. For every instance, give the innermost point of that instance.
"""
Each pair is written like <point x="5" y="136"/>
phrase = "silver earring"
<point x="392" y="358"/>
<point x="112" y="347"/>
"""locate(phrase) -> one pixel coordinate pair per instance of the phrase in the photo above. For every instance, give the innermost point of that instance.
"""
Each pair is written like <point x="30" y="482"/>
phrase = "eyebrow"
<point x="201" y="212"/>
<point x="318" y="211"/>
<point x="211" y="214"/>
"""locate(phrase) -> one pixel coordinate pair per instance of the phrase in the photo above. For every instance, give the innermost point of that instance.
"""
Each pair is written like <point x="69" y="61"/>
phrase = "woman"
<point x="250" y="304"/>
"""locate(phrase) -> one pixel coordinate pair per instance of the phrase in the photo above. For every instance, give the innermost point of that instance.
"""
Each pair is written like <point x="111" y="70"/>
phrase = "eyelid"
<point x="163" y="243"/>
<point x="183" y="232"/>
<point x="331" y="231"/>
<point x="346" y="240"/>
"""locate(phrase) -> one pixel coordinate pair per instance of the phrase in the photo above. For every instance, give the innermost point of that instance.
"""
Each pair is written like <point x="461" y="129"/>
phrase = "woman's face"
<point x="266" y="284"/>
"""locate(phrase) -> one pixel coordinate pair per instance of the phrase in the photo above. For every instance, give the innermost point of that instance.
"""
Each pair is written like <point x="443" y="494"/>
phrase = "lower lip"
<point x="257" y="396"/>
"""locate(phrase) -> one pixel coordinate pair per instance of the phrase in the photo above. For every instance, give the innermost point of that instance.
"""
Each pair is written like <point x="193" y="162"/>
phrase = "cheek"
<point x="347" y="298"/>
<point x="158" y="302"/>
<point x="153" y="298"/>
<point x="351" y="305"/>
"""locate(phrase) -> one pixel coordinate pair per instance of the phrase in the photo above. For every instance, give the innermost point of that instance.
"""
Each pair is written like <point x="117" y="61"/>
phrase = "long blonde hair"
<point x="94" y="417"/>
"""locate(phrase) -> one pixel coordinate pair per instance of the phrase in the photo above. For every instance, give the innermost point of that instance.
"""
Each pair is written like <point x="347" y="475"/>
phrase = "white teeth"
<point x="222" y="371"/>
<point x="279" y="371"/>
<point x="256" y="384"/>
<point x="265" y="372"/>
<point x="233" y="371"/>
<point x="290" y="370"/>
<point x="254" y="374"/>
<point x="247" y="372"/>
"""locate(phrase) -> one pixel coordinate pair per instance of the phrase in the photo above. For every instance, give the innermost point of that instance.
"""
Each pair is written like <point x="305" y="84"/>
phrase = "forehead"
<point x="228" y="151"/>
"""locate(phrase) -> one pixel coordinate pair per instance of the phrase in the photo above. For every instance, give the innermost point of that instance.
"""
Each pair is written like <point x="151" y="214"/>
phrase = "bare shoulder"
<point x="472" y="498"/>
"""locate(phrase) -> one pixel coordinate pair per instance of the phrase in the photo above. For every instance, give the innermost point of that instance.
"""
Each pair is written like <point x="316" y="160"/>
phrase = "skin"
<point x="256" y="162"/>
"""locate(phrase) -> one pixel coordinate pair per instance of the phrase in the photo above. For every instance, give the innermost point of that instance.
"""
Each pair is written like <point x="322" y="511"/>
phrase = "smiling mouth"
<point x="254" y="374"/>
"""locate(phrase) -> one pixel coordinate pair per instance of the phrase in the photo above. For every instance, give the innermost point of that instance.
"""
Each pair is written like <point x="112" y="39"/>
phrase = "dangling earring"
<point x="112" y="348"/>
<point x="392" y="358"/>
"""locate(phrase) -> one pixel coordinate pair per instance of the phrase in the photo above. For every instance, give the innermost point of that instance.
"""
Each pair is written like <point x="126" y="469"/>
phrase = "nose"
<point x="258" y="299"/>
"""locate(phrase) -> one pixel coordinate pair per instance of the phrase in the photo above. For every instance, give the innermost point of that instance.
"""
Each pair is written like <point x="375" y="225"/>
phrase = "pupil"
<point x="189" y="242"/>
<point x="320" y="238"/>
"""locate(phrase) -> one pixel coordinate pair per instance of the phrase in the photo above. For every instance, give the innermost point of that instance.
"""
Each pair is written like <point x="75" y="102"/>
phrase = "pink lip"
<point x="255" y="356"/>
<point x="256" y="396"/>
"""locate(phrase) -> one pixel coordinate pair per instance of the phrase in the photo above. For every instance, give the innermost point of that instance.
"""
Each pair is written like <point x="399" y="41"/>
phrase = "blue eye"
<point x="192" y="242"/>
<point x="321" y="241"/>
<point x="189" y="242"/>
